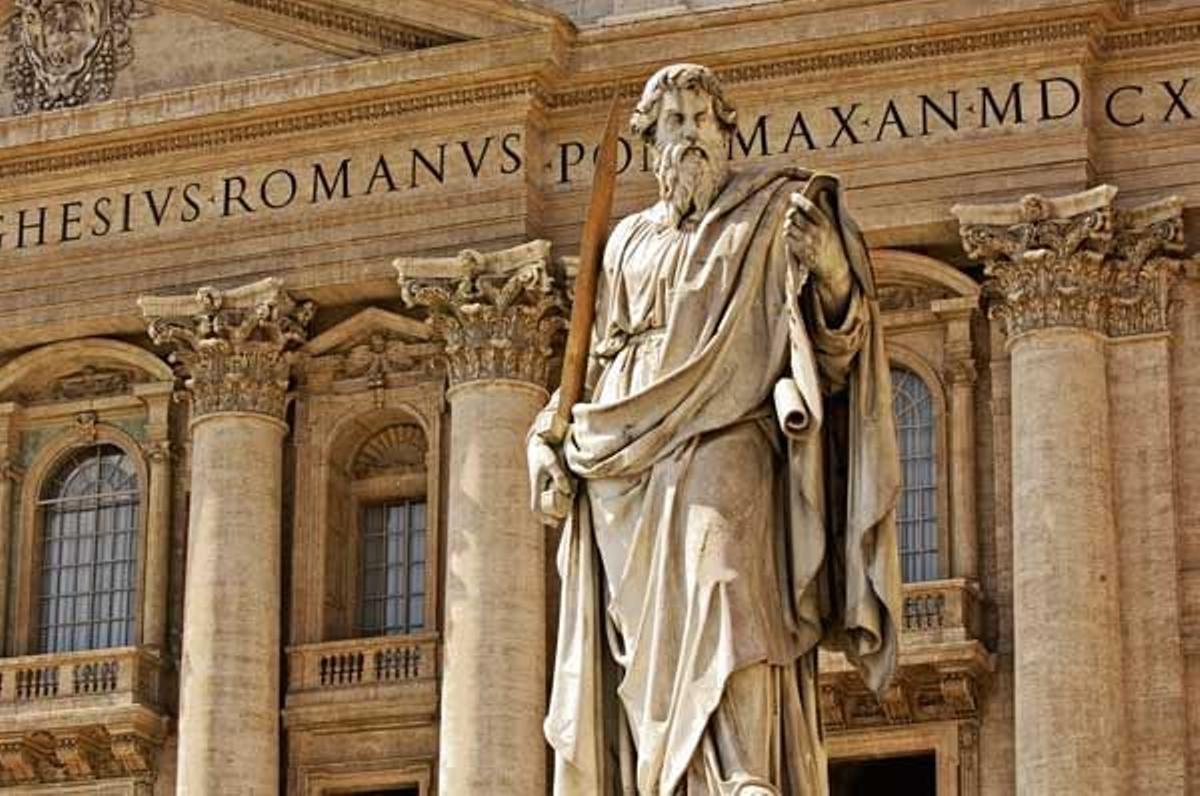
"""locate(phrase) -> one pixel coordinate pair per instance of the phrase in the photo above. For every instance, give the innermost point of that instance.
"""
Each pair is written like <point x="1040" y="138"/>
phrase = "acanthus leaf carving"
<point x="1077" y="261"/>
<point x="234" y="346"/>
<point x="497" y="314"/>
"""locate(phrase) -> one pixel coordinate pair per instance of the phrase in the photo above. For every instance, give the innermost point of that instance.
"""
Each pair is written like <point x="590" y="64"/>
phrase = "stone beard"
<point x="735" y="473"/>
<point x="689" y="176"/>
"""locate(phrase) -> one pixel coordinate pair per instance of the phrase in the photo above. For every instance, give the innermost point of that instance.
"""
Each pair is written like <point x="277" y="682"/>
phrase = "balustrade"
<point x="125" y="674"/>
<point x="362" y="662"/>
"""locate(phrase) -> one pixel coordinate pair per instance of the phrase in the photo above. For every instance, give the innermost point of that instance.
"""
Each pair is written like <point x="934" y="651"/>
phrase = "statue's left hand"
<point x="814" y="240"/>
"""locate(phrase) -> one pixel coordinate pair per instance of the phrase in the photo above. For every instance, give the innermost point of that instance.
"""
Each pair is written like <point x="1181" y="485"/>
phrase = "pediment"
<point x="373" y="347"/>
<point x="132" y="48"/>
<point x="360" y="329"/>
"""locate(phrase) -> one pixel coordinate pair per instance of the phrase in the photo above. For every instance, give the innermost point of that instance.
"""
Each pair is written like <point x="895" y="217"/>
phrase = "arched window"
<point x="916" y="510"/>
<point x="389" y="487"/>
<point x="89" y="508"/>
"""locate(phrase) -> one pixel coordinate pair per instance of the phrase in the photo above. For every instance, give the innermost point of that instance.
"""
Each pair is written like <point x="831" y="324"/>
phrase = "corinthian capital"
<point x="497" y="313"/>
<point x="234" y="346"/>
<point x="1077" y="261"/>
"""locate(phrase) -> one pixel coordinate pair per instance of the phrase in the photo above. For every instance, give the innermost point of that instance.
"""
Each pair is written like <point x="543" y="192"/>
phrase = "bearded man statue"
<point x="731" y="475"/>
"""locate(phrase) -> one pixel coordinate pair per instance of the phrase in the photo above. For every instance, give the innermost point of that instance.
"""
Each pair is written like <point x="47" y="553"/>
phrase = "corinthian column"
<point x="233" y="346"/>
<point x="1068" y="275"/>
<point x="497" y="314"/>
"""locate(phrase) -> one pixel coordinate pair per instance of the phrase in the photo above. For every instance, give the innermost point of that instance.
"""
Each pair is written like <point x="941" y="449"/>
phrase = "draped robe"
<point x="739" y="473"/>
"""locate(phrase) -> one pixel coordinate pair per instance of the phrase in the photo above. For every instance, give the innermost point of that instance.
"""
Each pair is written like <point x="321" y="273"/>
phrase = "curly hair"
<point x="644" y="120"/>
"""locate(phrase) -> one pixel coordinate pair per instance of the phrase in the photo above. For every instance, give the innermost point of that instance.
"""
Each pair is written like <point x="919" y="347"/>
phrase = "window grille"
<point x="89" y="509"/>
<point x="393" y="568"/>
<point x="916" y="509"/>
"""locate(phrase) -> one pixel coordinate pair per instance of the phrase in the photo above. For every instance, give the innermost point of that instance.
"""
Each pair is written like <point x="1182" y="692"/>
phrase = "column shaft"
<point x="1065" y="570"/>
<point x="494" y="681"/>
<point x="229" y="693"/>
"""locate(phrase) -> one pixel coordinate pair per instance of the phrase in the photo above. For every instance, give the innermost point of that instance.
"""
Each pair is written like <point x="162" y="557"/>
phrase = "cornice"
<point x="269" y="128"/>
<point x="349" y="29"/>
<point x="286" y="120"/>
<point x="856" y="58"/>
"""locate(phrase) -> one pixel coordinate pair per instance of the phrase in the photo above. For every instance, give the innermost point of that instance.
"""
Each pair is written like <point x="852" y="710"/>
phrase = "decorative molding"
<point x="821" y="62"/>
<point x="397" y="448"/>
<point x="64" y="55"/>
<point x="85" y="753"/>
<point x="913" y="50"/>
<point x="1165" y="36"/>
<point x="968" y="758"/>
<point x="158" y="452"/>
<point x="236" y="134"/>
<point x="85" y="425"/>
<point x="1077" y="261"/>
<point x="235" y="346"/>
<point x="26" y="759"/>
<point x="938" y="691"/>
<point x="11" y="471"/>
<point x="498" y="313"/>
<point x="910" y="297"/>
<point x="387" y="33"/>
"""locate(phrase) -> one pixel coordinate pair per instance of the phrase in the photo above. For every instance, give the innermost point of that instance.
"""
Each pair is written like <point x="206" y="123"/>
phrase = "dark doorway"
<point x="886" y="776"/>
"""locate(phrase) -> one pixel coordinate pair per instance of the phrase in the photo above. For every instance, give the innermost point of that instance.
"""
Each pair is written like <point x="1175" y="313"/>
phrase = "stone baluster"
<point x="497" y="315"/>
<point x="1067" y="275"/>
<point x="234" y="348"/>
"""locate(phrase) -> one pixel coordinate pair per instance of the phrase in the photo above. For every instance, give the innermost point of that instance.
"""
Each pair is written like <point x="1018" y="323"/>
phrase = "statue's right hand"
<point x="551" y="489"/>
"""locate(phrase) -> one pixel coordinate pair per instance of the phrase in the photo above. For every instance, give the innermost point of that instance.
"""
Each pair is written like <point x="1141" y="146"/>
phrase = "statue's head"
<point x="684" y="116"/>
<point x="62" y="36"/>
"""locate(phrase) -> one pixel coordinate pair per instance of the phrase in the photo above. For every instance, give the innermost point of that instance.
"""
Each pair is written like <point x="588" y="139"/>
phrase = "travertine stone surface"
<point x="497" y="315"/>
<point x="1070" y="726"/>
<point x="234" y="346"/>
<point x="1073" y="276"/>
<point x="494" y="680"/>
<point x="229" y="678"/>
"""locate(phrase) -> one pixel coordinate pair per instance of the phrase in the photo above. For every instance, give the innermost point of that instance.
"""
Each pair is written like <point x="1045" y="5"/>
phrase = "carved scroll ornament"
<point x="1077" y="261"/>
<point x="498" y="313"/>
<point x="234" y="346"/>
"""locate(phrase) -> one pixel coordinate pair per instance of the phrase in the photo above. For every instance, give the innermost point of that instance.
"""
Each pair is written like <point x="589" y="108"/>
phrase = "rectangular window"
<point x="392" y="585"/>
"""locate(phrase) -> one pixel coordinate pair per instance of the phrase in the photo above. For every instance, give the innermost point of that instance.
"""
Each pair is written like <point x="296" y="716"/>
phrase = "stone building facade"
<point x="282" y="284"/>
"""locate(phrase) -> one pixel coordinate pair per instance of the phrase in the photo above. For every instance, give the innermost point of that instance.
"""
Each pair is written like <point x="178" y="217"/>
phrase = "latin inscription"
<point x="849" y="124"/>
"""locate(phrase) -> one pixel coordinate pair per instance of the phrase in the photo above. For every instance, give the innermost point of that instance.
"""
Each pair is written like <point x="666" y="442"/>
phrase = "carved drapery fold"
<point x="1077" y="261"/>
<point x="234" y="346"/>
<point x="497" y="313"/>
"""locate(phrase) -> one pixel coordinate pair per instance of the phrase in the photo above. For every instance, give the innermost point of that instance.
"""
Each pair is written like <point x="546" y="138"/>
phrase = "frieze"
<point x="497" y="313"/>
<point x="234" y="346"/>
<point x="1077" y="261"/>
<point x="65" y="53"/>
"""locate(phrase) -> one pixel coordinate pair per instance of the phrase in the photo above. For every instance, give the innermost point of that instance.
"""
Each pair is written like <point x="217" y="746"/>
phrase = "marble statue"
<point x="731" y="475"/>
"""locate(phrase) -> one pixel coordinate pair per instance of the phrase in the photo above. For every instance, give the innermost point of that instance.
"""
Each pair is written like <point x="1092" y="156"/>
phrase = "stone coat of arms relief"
<point x="66" y="53"/>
